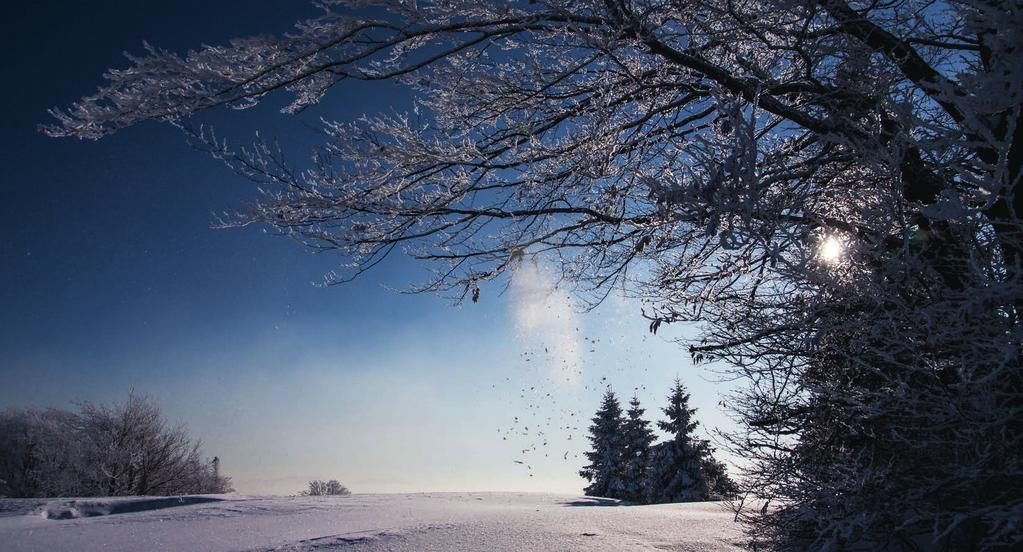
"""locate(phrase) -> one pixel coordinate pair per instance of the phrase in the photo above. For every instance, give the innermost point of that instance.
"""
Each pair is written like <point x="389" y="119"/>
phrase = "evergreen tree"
<point x="638" y="437"/>
<point x="607" y="467"/>
<point x="677" y="470"/>
<point x="723" y="487"/>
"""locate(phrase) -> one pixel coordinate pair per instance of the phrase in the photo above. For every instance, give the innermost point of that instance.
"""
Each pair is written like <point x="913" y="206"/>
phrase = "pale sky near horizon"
<point x="113" y="280"/>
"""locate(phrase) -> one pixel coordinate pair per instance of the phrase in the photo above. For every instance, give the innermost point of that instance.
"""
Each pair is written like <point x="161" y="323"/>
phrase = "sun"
<point x="830" y="250"/>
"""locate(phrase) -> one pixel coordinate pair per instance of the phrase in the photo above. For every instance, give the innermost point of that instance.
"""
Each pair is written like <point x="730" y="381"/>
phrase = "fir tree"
<point x="677" y="470"/>
<point x="638" y="437"/>
<point x="606" y="469"/>
<point x="723" y="487"/>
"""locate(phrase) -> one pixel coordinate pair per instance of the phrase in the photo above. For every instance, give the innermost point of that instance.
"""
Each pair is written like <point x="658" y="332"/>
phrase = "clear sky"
<point x="112" y="279"/>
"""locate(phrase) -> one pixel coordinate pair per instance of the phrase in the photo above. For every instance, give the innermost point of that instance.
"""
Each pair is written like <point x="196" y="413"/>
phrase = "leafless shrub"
<point x="326" y="488"/>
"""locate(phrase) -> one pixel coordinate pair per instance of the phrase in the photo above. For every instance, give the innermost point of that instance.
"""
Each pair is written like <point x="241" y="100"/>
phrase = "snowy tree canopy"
<point x="122" y="449"/>
<point x="829" y="187"/>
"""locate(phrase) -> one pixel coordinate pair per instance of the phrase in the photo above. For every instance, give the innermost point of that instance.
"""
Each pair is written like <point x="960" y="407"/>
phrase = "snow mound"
<point x="74" y="509"/>
<point x="335" y="542"/>
<point x="388" y="539"/>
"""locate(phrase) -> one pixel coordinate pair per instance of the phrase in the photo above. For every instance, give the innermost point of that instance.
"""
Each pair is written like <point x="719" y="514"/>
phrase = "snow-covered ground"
<point x="412" y="522"/>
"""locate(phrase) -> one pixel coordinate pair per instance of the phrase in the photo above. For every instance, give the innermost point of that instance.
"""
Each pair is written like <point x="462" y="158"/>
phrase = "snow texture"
<point x="422" y="522"/>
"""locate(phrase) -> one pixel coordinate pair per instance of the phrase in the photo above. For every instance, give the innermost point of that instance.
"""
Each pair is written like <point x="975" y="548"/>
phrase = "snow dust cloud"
<point x="545" y="320"/>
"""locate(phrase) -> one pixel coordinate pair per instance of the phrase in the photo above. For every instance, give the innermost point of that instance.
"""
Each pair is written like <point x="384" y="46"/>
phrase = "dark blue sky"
<point x="106" y="242"/>
<point x="112" y="279"/>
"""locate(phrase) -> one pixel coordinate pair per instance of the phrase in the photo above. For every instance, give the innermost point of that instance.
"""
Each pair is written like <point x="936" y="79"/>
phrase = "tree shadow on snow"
<point x="99" y="507"/>
<point x="597" y="501"/>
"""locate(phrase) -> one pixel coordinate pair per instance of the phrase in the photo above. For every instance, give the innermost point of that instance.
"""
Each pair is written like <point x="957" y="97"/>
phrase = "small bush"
<point x="326" y="488"/>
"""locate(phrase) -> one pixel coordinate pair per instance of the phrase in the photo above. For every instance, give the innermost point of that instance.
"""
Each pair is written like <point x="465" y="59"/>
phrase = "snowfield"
<point x="408" y="522"/>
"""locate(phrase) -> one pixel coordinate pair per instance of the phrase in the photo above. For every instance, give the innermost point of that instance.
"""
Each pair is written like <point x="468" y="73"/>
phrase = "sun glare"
<point x="830" y="250"/>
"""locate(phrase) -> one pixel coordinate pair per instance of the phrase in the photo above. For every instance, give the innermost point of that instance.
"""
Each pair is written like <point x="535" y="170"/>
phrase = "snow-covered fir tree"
<point x="677" y="466"/>
<point x="606" y="469"/>
<point x="637" y="439"/>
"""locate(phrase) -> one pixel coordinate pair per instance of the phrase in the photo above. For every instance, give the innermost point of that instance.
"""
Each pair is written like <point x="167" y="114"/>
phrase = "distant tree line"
<point x="326" y="488"/>
<point x="119" y="450"/>
<point x="625" y="462"/>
